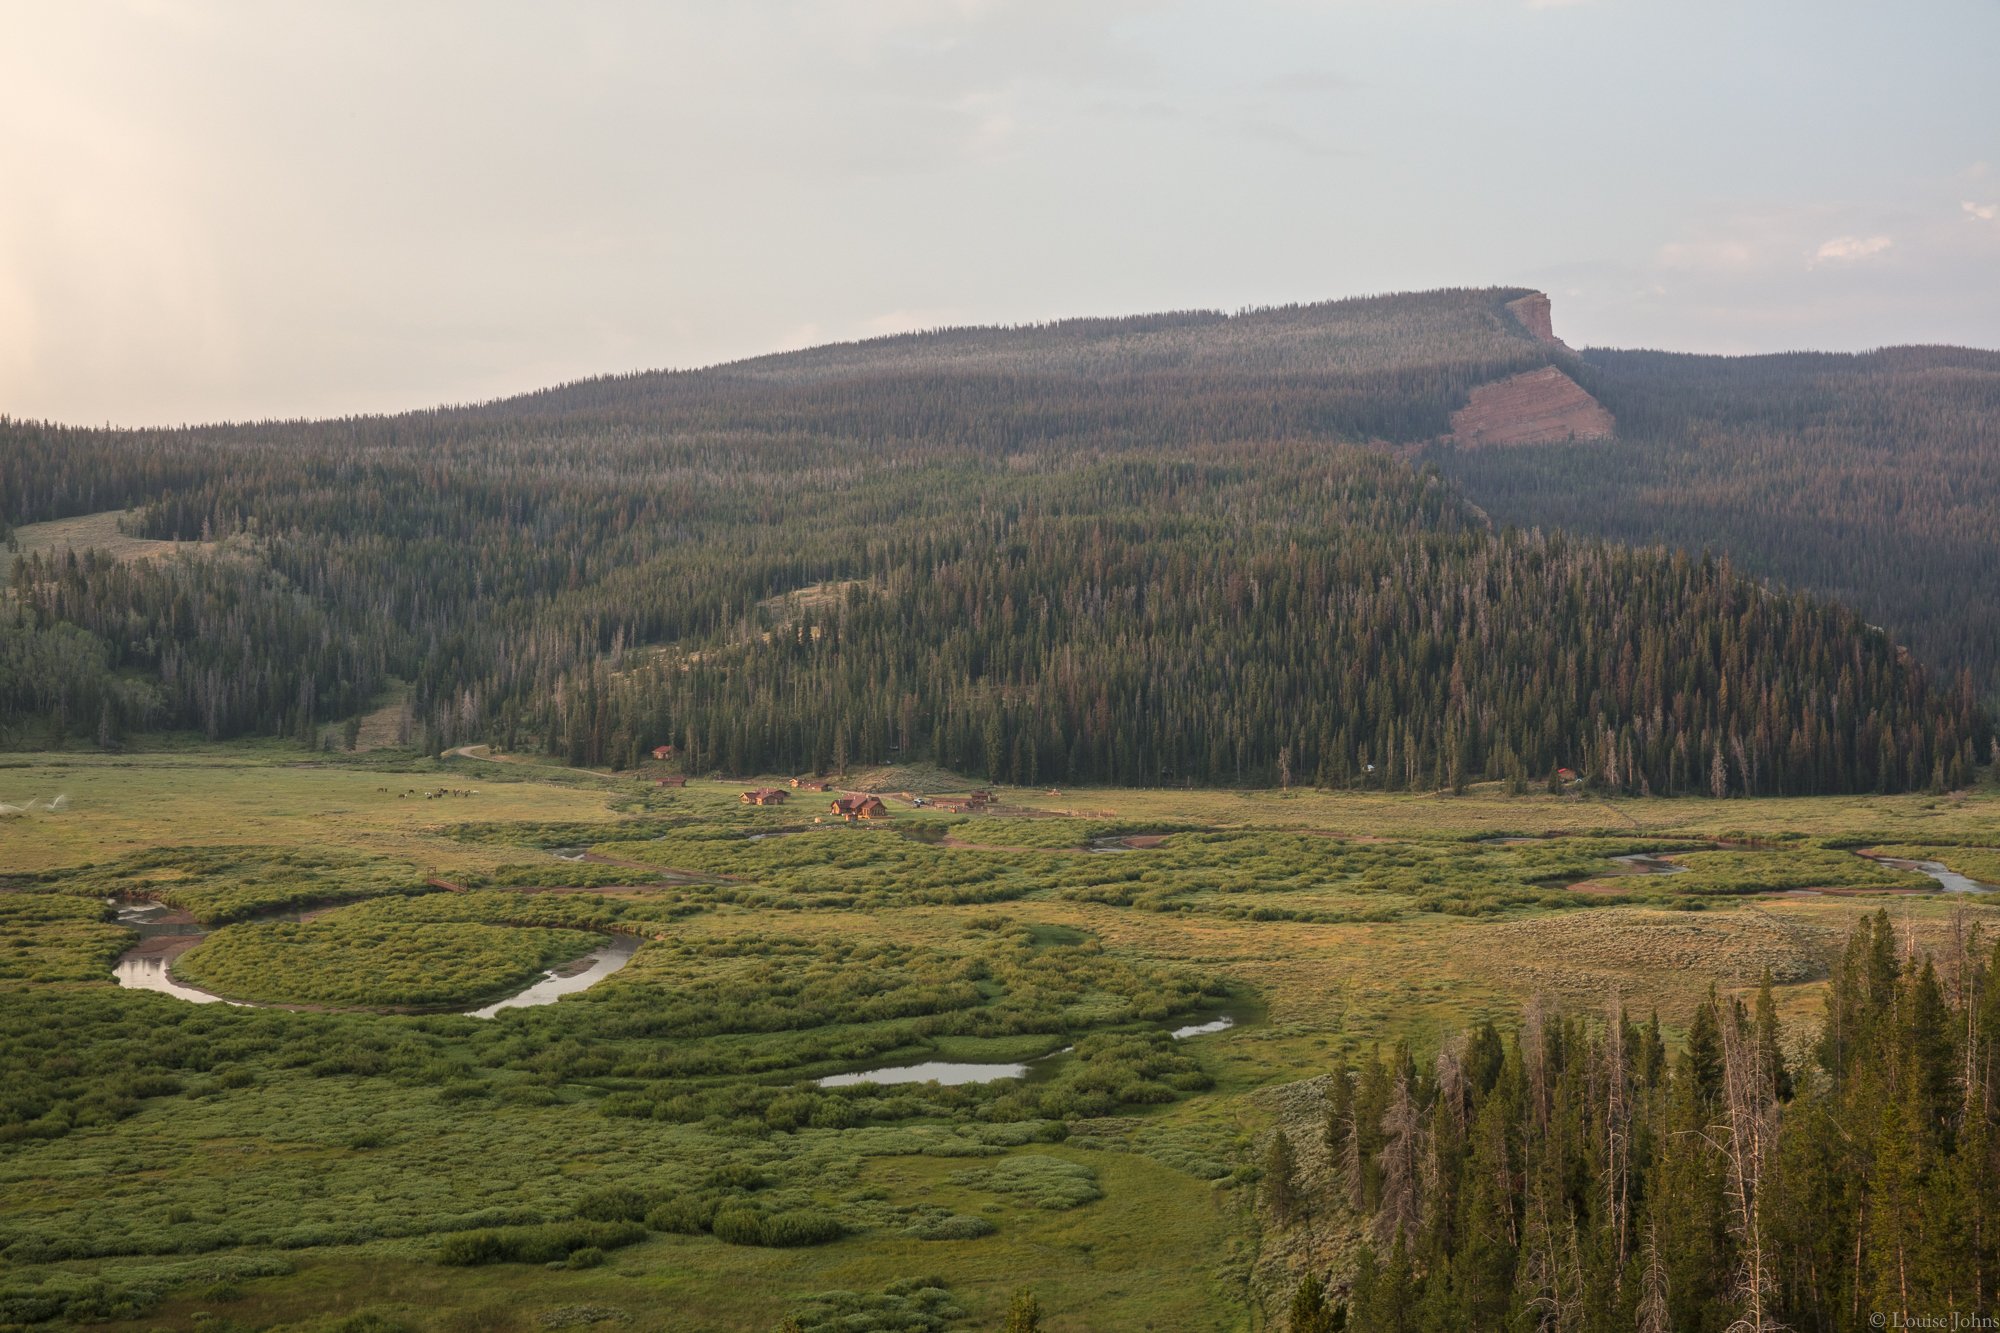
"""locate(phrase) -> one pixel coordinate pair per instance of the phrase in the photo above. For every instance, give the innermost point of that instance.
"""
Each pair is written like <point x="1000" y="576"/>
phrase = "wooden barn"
<point x="766" y="796"/>
<point x="675" y="780"/>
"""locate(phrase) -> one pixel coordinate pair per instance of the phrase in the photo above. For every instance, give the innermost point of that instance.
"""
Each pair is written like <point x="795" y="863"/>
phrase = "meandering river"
<point x="1948" y="879"/>
<point x="165" y="933"/>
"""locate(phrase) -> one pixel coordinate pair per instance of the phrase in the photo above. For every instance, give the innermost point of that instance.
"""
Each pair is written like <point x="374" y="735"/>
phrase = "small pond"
<point x="1646" y="863"/>
<point x="946" y="1072"/>
<point x="1126" y="842"/>
<point x="952" y="1072"/>
<point x="1222" y="1024"/>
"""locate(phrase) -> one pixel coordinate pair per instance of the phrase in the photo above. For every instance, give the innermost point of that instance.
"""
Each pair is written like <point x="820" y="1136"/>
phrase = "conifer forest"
<point x="1157" y="551"/>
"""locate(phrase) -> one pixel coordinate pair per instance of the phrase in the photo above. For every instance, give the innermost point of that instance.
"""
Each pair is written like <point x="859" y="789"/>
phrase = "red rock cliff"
<point x="1532" y="311"/>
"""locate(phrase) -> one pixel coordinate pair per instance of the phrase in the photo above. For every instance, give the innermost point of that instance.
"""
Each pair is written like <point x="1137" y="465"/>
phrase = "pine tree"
<point x="1483" y="1271"/>
<point x="1770" y="1045"/>
<point x="1894" y="1280"/>
<point x="1024" y="1313"/>
<point x="1280" y="1190"/>
<point x="1310" y="1312"/>
<point x="1701" y="1060"/>
<point x="1929" y="1042"/>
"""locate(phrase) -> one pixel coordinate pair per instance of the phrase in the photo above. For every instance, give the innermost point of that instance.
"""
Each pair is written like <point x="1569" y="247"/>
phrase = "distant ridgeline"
<point x="1154" y="550"/>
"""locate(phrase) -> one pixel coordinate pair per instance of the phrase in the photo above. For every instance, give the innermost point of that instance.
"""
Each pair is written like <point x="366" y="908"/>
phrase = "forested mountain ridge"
<point x="1870" y="478"/>
<point x="1360" y="337"/>
<point x="1131" y="551"/>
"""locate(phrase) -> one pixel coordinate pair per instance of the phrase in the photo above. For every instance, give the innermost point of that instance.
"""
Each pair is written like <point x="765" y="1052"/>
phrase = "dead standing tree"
<point x="1617" y="1129"/>
<point x="1653" y="1314"/>
<point x="1400" y="1209"/>
<point x="1746" y="1137"/>
<point x="1448" y="1115"/>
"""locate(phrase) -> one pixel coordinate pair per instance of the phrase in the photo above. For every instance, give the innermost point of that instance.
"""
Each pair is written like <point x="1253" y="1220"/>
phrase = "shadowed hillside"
<point x="1872" y="479"/>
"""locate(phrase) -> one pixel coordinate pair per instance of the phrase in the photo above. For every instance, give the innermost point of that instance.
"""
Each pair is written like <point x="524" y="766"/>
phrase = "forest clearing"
<point x="91" y="532"/>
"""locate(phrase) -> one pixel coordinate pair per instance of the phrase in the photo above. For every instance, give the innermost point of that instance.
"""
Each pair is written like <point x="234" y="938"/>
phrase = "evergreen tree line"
<point x="220" y="645"/>
<point x="1358" y="631"/>
<point x="1116" y="551"/>
<point x="1579" y="1176"/>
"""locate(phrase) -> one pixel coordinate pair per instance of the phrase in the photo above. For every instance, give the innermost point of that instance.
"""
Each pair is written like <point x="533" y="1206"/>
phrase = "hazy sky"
<point x="218" y="210"/>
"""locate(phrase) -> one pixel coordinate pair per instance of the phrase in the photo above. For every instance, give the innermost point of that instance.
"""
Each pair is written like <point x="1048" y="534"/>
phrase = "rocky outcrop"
<point x="1532" y="311"/>
<point x="1535" y="407"/>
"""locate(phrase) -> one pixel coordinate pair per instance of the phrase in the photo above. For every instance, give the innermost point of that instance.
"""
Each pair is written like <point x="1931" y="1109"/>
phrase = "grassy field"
<point x="88" y="532"/>
<point x="660" y="1139"/>
<point x="360" y="957"/>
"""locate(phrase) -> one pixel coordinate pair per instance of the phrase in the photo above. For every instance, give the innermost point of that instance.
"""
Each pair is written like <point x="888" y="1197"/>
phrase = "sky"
<point x="233" y="209"/>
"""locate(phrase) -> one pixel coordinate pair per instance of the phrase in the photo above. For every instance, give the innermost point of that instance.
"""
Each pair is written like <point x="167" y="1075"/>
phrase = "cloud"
<point x="1851" y="249"/>
<point x="1980" y="212"/>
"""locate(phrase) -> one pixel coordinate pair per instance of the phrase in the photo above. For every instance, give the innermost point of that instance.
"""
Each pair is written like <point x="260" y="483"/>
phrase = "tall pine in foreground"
<point x="1577" y="1180"/>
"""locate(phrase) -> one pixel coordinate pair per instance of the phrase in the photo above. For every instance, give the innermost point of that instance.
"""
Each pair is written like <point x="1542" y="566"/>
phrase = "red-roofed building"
<point x="851" y="808"/>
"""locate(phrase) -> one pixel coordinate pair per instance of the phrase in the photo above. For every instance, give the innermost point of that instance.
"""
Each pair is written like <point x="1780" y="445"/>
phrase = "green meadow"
<point x="657" y="1152"/>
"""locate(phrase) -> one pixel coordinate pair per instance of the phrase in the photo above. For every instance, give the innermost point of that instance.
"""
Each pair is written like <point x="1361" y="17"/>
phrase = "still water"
<point x="950" y="1072"/>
